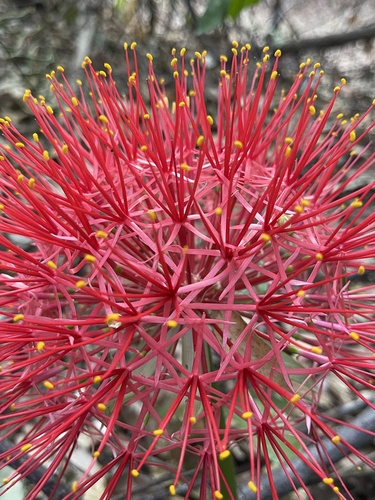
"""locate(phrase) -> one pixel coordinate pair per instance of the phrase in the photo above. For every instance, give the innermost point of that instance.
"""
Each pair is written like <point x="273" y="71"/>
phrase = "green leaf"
<point x="217" y="11"/>
<point x="235" y="7"/>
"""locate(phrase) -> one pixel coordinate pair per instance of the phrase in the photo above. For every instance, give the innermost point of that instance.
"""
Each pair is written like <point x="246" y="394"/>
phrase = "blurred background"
<point x="37" y="35"/>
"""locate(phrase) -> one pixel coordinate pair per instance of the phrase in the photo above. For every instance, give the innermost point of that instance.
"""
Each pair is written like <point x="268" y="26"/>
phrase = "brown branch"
<point x="364" y="33"/>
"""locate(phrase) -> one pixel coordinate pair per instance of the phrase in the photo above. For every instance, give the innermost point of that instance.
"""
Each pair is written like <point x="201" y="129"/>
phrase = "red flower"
<point x="188" y="282"/>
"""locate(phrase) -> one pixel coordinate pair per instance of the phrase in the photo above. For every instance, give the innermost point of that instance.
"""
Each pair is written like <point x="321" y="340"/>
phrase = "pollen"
<point x="301" y="293"/>
<point x="288" y="151"/>
<point x="96" y="454"/>
<point x="172" y="490"/>
<point x="295" y="398"/>
<point x="158" y="432"/>
<point x="298" y="209"/>
<point x="210" y="120"/>
<point x="246" y="415"/>
<point x="185" y="167"/>
<point x="19" y="145"/>
<point x="152" y="215"/>
<point x="265" y="237"/>
<point x="218" y="495"/>
<point x="40" y="346"/>
<point x="352" y="136"/>
<point x="133" y="45"/>
<point x="336" y="439"/>
<point x="97" y="379"/>
<point x="327" y="480"/>
<point x="110" y="318"/>
<point x="312" y="110"/>
<point x="51" y="265"/>
<point x="101" y="406"/>
<point x="316" y="350"/>
<point x="103" y="119"/>
<point x="274" y="75"/>
<point x="361" y="270"/>
<point x="74" y="101"/>
<point x="80" y="283"/>
<point x="89" y="258"/>
<point x="224" y="454"/>
<point x="31" y="182"/>
<point x="200" y="140"/>
<point x="218" y="211"/>
<point x="74" y="486"/>
<point x="319" y="256"/>
<point x="134" y="473"/>
<point x="356" y="204"/>
<point x="277" y="53"/>
<point x="252" y="486"/>
<point x="101" y="234"/>
<point x="192" y="420"/>
<point x="48" y="385"/>
<point x="49" y="110"/>
<point x="172" y="323"/>
<point x="26" y="447"/>
<point x="354" y="335"/>
<point x="143" y="148"/>
<point x="64" y="149"/>
<point x="238" y="144"/>
<point x="18" y="317"/>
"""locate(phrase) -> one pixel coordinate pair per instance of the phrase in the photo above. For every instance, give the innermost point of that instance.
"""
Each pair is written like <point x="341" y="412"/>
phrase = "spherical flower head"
<point x="188" y="277"/>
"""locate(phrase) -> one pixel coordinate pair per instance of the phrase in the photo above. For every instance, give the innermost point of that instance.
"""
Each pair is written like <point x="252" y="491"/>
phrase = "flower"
<point x="188" y="278"/>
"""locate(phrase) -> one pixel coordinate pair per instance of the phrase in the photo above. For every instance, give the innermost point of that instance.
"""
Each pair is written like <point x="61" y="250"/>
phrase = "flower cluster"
<point x="188" y="279"/>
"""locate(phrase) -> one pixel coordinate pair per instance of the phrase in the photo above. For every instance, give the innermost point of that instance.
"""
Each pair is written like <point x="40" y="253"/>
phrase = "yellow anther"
<point x="101" y="406"/>
<point x="277" y="53"/>
<point x="198" y="55"/>
<point x="312" y="110"/>
<point x="295" y="398"/>
<point x="80" y="283"/>
<point x="49" y="110"/>
<point x="223" y="72"/>
<point x="19" y="144"/>
<point x="96" y="454"/>
<point x="172" y="323"/>
<point x="108" y="67"/>
<point x="51" y="265"/>
<point x="110" y="318"/>
<point x="274" y="75"/>
<point x="185" y="167"/>
<point x="352" y="136"/>
<point x="218" y="210"/>
<point x="133" y="45"/>
<point x="46" y="155"/>
<point x="246" y="415"/>
<point x="152" y="215"/>
<point x="103" y="119"/>
<point x="31" y="182"/>
<point x="200" y="140"/>
<point x="234" y="52"/>
<point x="146" y="116"/>
<point x="265" y="49"/>
<point x="218" y="495"/>
<point x="40" y="346"/>
<point x="319" y="256"/>
<point x="298" y="209"/>
<point x="18" y="317"/>
<point x="356" y="204"/>
<point x="149" y="57"/>
<point x="174" y="61"/>
<point x="336" y="89"/>
<point x="192" y="420"/>
<point x="225" y="59"/>
<point x="175" y="74"/>
<point x="301" y="293"/>
<point x="210" y="120"/>
<point x="134" y="473"/>
<point x="89" y="258"/>
<point x="235" y="44"/>
<point x="64" y="149"/>
<point x="305" y="203"/>
<point x="265" y="237"/>
<point x="48" y="385"/>
<point x="158" y="432"/>
<point x="316" y="350"/>
<point x="354" y="335"/>
<point x="343" y="81"/>
<point x="26" y="447"/>
<point x="20" y="178"/>
<point x="182" y="51"/>
<point x="361" y="270"/>
<point x="172" y="490"/>
<point x="336" y="439"/>
<point x="101" y="234"/>
<point x="74" y="101"/>
<point x="97" y="379"/>
<point x="224" y="454"/>
<point x="288" y="151"/>
<point x="5" y="480"/>
<point x="328" y="480"/>
<point x="252" y="486"/>
<point x="266" y="58"/>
